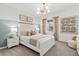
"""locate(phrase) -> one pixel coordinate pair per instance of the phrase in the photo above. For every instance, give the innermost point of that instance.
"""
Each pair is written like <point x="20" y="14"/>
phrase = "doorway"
<point x="57" y="27"/>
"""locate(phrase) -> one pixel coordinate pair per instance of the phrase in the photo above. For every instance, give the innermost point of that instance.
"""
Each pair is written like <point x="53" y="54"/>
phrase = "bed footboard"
<point x="46" y="45"/>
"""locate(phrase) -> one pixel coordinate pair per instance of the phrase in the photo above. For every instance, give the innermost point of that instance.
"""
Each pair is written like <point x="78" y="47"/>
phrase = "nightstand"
<point x="12" y="40"/>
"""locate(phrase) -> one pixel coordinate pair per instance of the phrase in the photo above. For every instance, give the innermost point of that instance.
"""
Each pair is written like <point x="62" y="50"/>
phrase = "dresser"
<point x="12" y="40"/>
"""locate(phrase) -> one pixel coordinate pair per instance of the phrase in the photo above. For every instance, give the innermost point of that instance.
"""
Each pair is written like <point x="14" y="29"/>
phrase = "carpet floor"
<point x="59" y="49"/>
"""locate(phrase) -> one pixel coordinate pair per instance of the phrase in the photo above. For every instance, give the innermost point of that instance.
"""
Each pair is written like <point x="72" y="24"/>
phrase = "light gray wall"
<point x="10" y="13"/>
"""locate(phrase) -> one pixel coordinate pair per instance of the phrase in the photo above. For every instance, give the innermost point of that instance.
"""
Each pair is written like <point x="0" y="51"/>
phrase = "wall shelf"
<point x="68" y="24"/>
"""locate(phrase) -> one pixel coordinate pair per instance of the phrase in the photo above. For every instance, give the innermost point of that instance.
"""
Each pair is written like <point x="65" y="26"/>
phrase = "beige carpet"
<point x="60" y="49"/>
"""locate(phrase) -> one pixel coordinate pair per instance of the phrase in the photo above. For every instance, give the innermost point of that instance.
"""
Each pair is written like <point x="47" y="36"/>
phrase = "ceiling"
<point x="32" y="7"/>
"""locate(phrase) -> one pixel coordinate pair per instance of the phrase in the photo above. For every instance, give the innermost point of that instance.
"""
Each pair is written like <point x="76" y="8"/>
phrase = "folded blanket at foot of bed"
<point x="35" y="40"/>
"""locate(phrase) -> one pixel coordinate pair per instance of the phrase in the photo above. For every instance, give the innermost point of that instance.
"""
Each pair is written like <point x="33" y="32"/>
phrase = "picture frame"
<point x="23" y="18"/>
<point x="30" y="19"/>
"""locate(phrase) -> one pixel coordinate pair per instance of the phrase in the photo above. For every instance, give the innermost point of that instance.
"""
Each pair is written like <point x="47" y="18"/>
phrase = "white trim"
<point x="3" y="47"/>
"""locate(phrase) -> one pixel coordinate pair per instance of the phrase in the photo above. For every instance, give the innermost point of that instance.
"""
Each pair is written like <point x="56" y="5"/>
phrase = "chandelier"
<point x="43" y="10"/>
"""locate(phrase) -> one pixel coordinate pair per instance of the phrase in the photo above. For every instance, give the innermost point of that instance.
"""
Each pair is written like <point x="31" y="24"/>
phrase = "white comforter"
<point x="25" y="39"/>
<point x="43" y="43"/>
<point x="39" y="37"/>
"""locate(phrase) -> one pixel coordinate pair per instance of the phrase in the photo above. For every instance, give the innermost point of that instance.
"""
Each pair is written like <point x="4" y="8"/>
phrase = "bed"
<point x="39" y="43"/>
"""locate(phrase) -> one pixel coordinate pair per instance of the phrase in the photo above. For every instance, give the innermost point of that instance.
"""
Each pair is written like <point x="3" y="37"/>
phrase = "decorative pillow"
<point x="28" y="33"/>
<point x="33" y="32"/>
<point x="25" y="33"/>
<point x="74" y="38"/>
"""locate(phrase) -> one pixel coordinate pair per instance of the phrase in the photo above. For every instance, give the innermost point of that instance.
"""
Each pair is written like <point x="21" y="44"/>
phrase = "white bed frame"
<point x="45" y="45"/>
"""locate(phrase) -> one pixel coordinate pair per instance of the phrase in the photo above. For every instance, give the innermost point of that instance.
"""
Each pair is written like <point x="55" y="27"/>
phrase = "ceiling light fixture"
<point x="43" y="10"/>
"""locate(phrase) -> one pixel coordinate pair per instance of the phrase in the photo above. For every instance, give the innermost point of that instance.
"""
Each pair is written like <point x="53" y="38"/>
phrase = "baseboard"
<point x="3" y="47"/>
<point x="63" y="41"/>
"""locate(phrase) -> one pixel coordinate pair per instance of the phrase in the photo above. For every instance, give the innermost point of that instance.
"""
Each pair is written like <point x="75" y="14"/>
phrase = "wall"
<point x="69" y="12"/>
<point x="5" y="29"/>
<point x="11" y="13"/>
